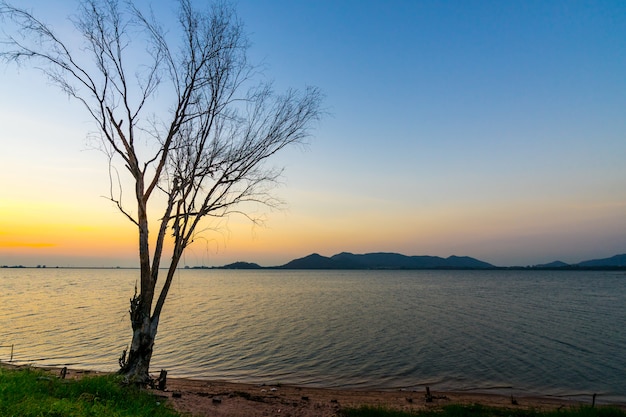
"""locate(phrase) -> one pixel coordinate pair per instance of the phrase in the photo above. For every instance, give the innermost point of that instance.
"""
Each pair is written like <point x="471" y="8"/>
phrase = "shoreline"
<point x="574" y="397"/>
<point x="237" y="399"/>
<point x="243" y="399"/>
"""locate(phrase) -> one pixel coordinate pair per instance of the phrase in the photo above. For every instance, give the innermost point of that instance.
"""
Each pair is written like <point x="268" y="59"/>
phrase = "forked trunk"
<point x="135" y="363"/>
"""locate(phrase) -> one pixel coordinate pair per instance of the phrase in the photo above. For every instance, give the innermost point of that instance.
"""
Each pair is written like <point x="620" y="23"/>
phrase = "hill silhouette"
<point x="617" y="260"/>
<point x="384" y="260"/>
<point x="387" y="260"/>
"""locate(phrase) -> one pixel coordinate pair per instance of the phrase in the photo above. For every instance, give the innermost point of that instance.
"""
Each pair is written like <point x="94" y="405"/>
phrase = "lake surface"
<point x="514" y="332"/>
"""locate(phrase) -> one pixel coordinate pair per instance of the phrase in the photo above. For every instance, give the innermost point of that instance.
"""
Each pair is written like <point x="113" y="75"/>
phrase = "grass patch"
<point x="483" y="411"/>
<point x="33" y="392"/>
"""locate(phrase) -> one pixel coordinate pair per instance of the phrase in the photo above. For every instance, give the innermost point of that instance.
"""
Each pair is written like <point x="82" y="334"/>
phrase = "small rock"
<point x="217" y="400"/>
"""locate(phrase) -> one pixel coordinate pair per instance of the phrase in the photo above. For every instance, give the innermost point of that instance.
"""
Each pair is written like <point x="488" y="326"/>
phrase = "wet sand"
<point x="216" y="398"/>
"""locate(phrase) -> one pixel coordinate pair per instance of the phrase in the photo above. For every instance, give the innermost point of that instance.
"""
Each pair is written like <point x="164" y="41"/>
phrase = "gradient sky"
<point x="492" y="129"/>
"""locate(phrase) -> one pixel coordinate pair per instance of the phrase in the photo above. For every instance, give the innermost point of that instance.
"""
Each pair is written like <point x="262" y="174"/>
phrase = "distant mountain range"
<point x="384" y="260"/>
<point x="617" y="261"/>
<point x="380" y="260"/>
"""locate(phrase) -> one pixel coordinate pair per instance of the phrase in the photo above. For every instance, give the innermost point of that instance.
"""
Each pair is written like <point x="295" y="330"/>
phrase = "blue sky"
<point x="483" y="128"/>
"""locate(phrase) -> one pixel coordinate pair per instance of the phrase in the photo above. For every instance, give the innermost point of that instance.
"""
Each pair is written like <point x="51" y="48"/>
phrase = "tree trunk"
<point x="136" y="365"/>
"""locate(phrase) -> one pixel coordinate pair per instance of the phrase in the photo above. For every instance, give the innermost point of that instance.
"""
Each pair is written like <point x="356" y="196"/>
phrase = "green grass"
<point x="31" y="392"/>
<point x="482" y="411"/>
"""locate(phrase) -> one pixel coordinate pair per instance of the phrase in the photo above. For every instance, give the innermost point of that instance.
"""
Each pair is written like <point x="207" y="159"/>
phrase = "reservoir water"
<point x="514" y="332"/>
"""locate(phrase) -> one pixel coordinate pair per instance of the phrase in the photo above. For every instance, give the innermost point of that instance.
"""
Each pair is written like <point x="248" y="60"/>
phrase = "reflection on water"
<point x="560" y="333"/>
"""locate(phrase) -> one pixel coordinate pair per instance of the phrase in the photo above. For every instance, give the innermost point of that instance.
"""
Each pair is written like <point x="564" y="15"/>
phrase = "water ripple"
<point x="559" y="333"/>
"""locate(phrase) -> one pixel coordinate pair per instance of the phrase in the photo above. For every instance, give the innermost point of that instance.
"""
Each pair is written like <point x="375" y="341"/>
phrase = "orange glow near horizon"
<point x="39" y="230"/>
<point x="26" y="245"/>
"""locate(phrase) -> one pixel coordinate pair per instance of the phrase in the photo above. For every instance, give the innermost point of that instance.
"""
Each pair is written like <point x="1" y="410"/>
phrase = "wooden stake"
<point x="162" y="380"/>
<point x="429" y="398"/>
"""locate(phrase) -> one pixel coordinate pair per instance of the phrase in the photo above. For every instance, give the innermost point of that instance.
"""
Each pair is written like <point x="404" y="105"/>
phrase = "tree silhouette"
<point x="201" y="158"/>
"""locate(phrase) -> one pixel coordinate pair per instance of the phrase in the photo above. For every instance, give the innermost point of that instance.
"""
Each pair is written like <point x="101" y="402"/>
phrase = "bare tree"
<point x="202" y="158"/>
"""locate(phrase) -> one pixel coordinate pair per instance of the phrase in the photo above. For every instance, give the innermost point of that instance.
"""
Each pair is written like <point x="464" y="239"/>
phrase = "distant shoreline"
<point x="380" y="261"/>
<point x="573" y="268"/>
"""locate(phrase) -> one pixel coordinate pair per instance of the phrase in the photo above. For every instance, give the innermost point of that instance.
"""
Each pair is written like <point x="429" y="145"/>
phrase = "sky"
<point x="489" y="129"/>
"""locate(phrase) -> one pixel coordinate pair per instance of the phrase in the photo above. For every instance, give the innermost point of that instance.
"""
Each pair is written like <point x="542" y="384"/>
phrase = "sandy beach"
<point x="217" y="398"/>
<point x="231" y="399"/>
